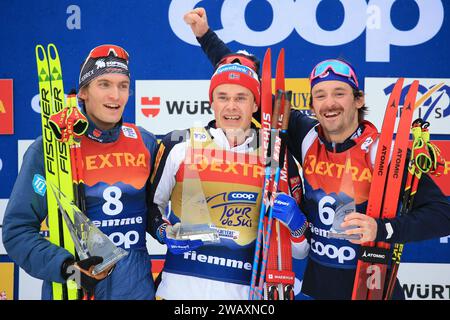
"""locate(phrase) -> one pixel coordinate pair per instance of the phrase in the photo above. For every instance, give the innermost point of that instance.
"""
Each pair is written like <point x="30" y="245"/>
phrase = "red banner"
<point x="6" y="107"/>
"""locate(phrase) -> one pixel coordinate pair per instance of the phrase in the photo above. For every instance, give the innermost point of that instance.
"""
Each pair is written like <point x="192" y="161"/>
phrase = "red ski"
<point x="266" y="114"/>
<point x="279" y="276"/>
<point x="360" y="285"/>
<point x="274" y="129"/>
<point x="394" y="182"/>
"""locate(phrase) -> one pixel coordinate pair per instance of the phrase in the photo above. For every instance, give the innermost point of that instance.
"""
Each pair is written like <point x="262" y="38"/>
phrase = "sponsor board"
<point x="3" y="203"/>
<point x="22" y="147"/>
<point x="300" y="93"/>
<point x="166" y="105"/>
<point x="425" y="281"/>
<point x="6" y="280"/>
<point x="375" y="19"/>
<point x="6" y="107"/>
<point x="157" y="267"/>
<point x="2" y="247"/>
<point x="29" y="287"/>
<point x="432" y="102"/>
<point x="434" y="250"/>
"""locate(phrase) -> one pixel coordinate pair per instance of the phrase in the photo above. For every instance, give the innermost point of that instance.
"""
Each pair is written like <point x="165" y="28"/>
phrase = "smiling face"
<point x="233" y="107"/>
<point x="336" y="108"/>
<point x="105" y="98"/>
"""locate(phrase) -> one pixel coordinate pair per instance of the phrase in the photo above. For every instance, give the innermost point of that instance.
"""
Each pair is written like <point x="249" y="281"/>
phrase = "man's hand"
<point x="365" y="226"/>
<point x="197" y="20"/>
<point x="178" y="246"/>
<point x="87" y="266"/>
<point x="81" y="272"/>
<point x="287" y="211"/>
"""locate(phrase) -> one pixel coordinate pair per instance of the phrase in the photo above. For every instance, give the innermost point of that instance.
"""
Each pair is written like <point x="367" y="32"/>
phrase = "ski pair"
<point x="59" y="167"/>
<point x="68" y="126"/>
<point x="372" y="264"/>
<point x="425" y="158"/>
<point x="274" y="134"/>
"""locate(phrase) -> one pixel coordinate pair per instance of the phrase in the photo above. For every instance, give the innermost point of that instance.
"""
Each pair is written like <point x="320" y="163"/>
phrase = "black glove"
<point x="81" y="272"/>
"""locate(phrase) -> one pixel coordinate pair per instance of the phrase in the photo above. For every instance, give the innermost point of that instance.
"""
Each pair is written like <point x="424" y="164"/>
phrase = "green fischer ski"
<point x="58" y="170"/>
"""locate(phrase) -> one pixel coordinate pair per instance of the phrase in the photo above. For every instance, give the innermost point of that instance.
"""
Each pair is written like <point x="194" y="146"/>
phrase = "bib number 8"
<point x="113" y="206"/>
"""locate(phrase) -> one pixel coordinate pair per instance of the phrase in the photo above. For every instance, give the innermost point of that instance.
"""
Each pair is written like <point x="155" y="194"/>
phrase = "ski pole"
<point x="268" y="181"/>
<point x="423" y="160"/>
<point x="409" y="192"/>
<point x="278" y="157"/>
<point x="266" y="113"/>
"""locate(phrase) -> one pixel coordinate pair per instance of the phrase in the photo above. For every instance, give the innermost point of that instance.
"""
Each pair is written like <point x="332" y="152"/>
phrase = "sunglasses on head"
<point x="107" y="50"/>
<point x="238" y="58"/>
<point x="337" y="66"/>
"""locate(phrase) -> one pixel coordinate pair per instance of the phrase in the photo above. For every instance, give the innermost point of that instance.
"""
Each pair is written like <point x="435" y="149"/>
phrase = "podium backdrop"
<point x="383" y="39"/>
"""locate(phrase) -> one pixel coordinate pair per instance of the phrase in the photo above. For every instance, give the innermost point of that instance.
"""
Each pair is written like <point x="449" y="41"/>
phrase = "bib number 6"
<point x="326" y="213"/>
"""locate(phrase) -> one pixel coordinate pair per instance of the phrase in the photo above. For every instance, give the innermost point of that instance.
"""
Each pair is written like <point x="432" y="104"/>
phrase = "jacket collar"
<point x="352" y="140"/>
<point x="102" y="136"/>
<point x="220" y="138"/>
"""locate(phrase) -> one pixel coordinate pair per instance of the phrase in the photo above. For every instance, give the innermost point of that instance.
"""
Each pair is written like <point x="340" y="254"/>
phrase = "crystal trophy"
<point x="195" y="217"/>
<point x="336" y="231"/>
<point x="87" y="238"/>
<point x="345" y="206"/>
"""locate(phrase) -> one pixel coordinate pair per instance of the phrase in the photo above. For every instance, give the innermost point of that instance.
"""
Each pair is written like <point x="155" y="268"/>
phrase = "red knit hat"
<point x="236" y="74"/>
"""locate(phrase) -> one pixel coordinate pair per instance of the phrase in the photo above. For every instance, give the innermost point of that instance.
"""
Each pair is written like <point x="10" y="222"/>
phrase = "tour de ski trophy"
<point x="345" y="204"/>
<point x="195" y="216"/>
<point x="88" y="239"/>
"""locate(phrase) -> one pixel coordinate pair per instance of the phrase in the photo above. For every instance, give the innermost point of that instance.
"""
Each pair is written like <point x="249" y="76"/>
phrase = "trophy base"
<point x="343" y="236"/>
<point x="199" y="232"/>
<point x="109" y="260"/>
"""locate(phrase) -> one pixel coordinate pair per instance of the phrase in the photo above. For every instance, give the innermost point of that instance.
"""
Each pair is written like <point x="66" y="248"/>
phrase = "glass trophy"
<point x="87" y="238"/>
<point x="345" y="206"/>
<point x="195" y="217"/>
<point x="336" y="231"/>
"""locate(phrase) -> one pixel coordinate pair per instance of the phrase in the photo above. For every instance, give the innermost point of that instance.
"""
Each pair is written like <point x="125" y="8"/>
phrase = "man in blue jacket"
<point x="115" y="189"/>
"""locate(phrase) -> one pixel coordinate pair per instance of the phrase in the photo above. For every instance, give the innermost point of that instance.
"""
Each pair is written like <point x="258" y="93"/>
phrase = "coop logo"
<point x="127" y="240"/>
<point x="243" y="196"/>
<point x="373" y="17"/>
<point x="341" y="254"/>
<point x="39" y="184"/>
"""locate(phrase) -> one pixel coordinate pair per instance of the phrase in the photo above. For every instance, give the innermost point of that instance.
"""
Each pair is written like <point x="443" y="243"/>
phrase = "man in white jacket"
<point x="223" y="161"/>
